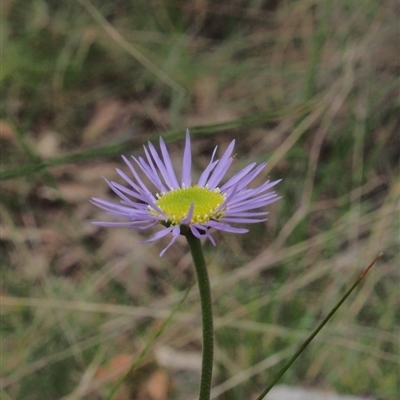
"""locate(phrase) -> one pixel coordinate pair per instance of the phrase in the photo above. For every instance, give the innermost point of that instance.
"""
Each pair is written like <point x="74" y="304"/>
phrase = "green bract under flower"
<point x="176" y="204"/>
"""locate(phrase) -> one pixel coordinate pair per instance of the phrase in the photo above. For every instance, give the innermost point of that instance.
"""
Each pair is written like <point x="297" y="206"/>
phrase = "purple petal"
<point x="175" y="232"/>
<point x="206" y="173"/>
<point x="227" y="201"/>
<point x="153" y="168"/>
<point x="162" y="167"/>
<point x="147" y="195"/>
<point x="218" y="174"/>
<point x="108" y="205"/>
<point x="196" y="228"/>
<point x="120" y="190"/>
<point x="249" y="197"/>
<point x="159" y="234"/>
<point x="256" y="202"/>
<point x="111" y="224"/>
<point x="151" y="175"/>
<point x="247" y="214"/>
<point x="268" y="185"/>
<point x="134" y="225"/>
<point x="210" y="238"/>
<point x="143" y="187"/>
<point x="225" y="228"/>
<point x="237" y="177"/>
<point x="187" y="163"/>
<point x="244" y="180"/>
<point x="204" y="233"/>
<point x="168" y="163"/>
<point x="241" y="220"/>
<point x="247" y="205"/>
<point x="246" y="194"/>
<point x="186" y="221"/>
<point x="222" y="167"/>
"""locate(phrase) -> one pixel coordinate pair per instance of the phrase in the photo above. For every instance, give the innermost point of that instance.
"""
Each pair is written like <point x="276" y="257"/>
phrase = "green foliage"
<point x="311" y="90"/>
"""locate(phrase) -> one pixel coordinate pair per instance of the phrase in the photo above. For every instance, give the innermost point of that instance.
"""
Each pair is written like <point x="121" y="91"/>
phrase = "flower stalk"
<point x="206" y="313"/>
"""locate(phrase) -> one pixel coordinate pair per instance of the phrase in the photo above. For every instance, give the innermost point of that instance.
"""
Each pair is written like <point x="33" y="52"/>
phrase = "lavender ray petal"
<point x="133" y="185"/>
<point x="226" y="203"/>
<point x="241" y="220"/>
<point x="154" y="169"/>
<point x="136" y="206"/>
<point x="122" y="198"/>
<point x="223" y="165"/>
<point x="147" y="226"/>
<point x="262" y="188"/>
<point x="120" y="190"/>
<point x="175" y="232"/>
<point x="206" y="173"/>
<point x="168" y="163"/>
<point x="249" y="193"/>
<point x="111" y="224"/>
<point x="147" y="195"/>
<point x="226" y="228"/>
<point x="246" y="214"/>
<point x="217" y="176"/>
<point x="254" y="204"/>
<point x="249" y="196"/>
<point x="187" y="163"/>
<point x="250" y="177"/>
<point x="142" y="188"/>
<point x="161" y="167"/>
<point x="237" y="177"/>
<point x="153" y="177"/>
<point x="186" y="221"/>
<point x="129" y="180"/>
<point x="212" y="240"/>
<point x="210" y="237"/>
<point x="126" y="212"/>
<point x="108" y="205"/>
<point x="159" y="234"/>
<point x="196" y="228"/>
<point x="268" y="185"/>
<point x="113" y="213"/>
<point x="119" y="224"/>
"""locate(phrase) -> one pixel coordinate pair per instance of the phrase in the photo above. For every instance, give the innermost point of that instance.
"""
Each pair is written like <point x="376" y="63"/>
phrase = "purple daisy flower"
<point x="185" y="207"/>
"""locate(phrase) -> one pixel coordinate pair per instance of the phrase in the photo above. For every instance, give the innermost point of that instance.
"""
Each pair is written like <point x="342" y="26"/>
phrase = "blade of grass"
<point x="117" y="148"/>
<point x="116" y="36"/>
<point x="319" y="39"/>
<point x="316" y="331"/>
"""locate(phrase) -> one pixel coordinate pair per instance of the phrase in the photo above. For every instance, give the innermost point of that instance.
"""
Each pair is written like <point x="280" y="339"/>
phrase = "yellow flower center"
<point x="176" y="204"/>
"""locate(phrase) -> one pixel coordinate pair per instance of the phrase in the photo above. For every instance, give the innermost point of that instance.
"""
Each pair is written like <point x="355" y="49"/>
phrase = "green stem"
<point x="207" y="316"/>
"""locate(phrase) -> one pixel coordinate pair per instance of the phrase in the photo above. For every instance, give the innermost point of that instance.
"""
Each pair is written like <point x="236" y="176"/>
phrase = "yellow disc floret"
<point x="176" y="204"/>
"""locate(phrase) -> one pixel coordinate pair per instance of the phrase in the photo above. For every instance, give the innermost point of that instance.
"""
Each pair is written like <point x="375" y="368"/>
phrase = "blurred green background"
<point x="312" y="87"/>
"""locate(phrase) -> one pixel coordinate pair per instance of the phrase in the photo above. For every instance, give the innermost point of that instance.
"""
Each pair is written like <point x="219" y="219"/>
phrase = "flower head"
<point x="183" y="207"/>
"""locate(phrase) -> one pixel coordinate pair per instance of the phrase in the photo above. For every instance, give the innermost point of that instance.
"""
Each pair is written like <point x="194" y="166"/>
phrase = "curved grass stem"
<point x="315" y="332"/>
